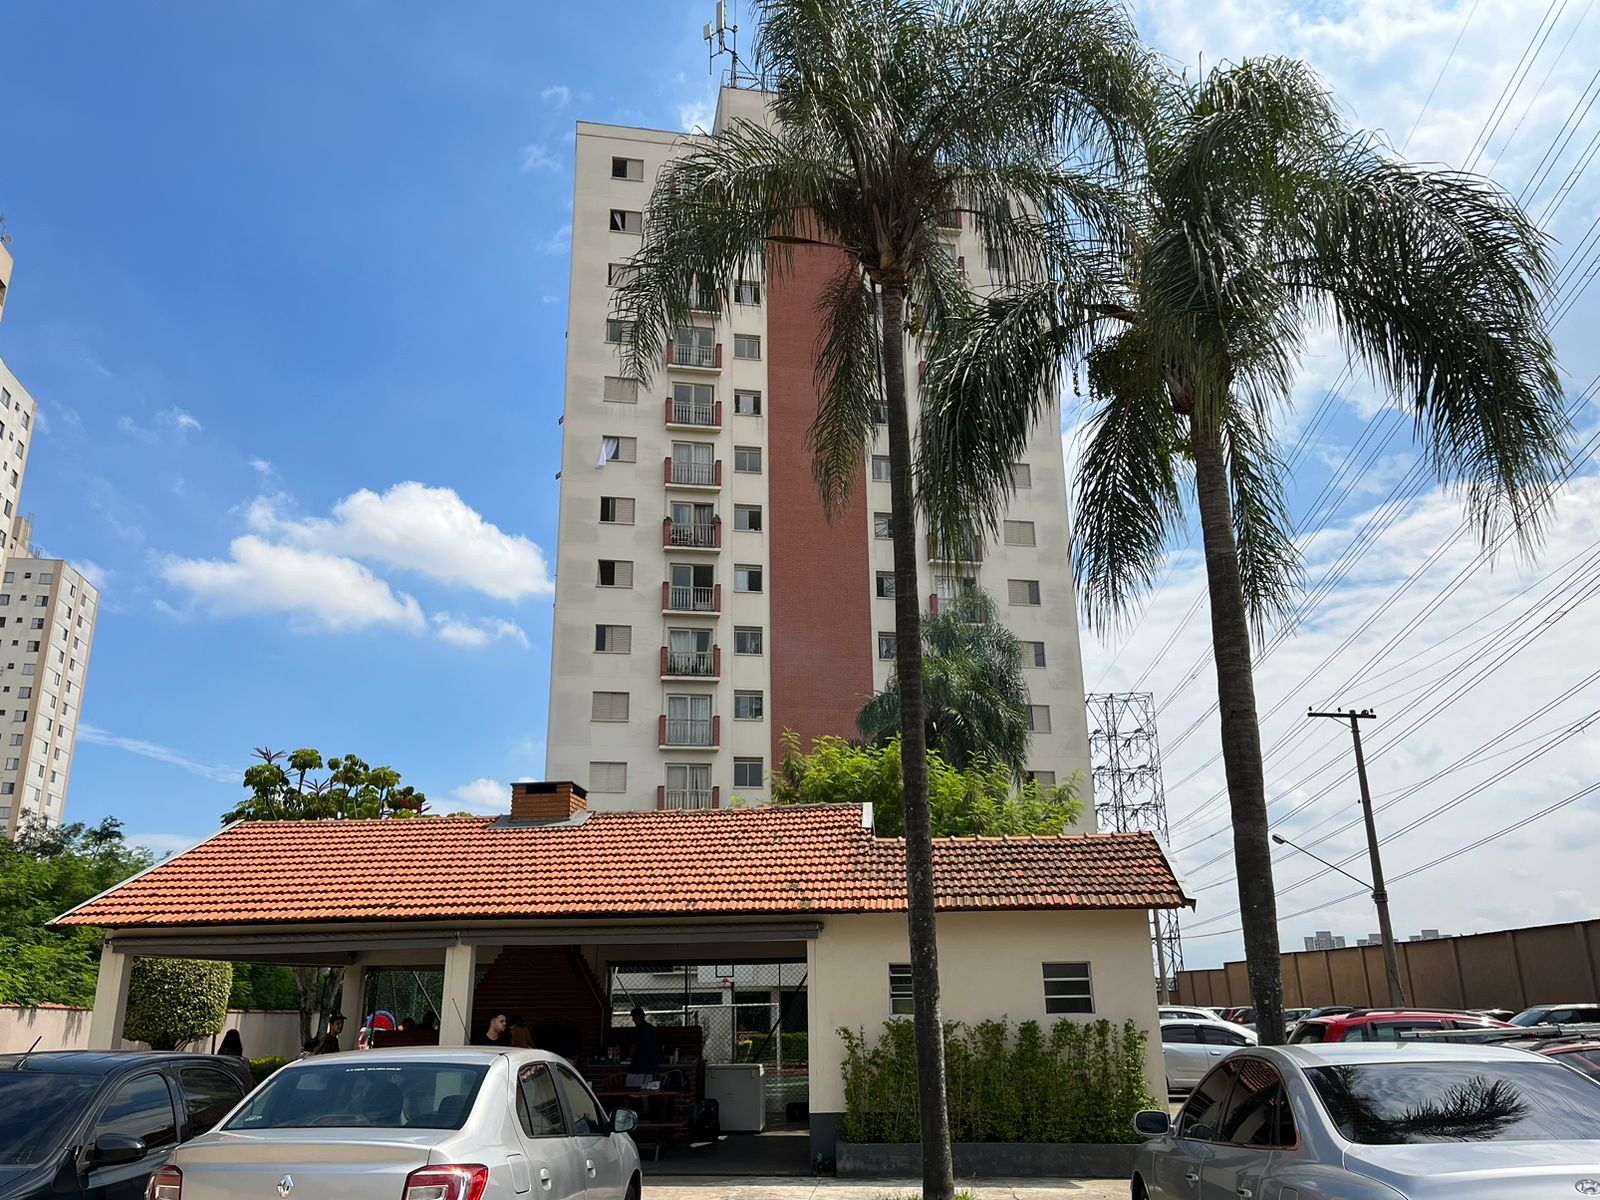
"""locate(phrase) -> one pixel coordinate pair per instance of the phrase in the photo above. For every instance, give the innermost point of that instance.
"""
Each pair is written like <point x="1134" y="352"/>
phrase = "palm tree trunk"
<point x="938" y="1175"/>
<point x="1241" y="733"/>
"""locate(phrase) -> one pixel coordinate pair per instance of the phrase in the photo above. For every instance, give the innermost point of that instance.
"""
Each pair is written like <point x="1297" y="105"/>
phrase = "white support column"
<point x="351" y="1000"/>
<point x="460" y="962"/>
<point x="110" y="999"/>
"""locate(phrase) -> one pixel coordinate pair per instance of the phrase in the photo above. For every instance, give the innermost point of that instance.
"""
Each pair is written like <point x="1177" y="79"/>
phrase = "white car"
<point x="413" y="1124"/>
<point x="1191" y="1048"/>
<point x="1168" y="1012"/>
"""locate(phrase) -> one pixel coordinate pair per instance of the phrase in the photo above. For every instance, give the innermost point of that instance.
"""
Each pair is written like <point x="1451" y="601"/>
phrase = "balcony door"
<point x="689" y="652"/>
<point x="689" y="720"/>
<point x="693" y="462"/>
<point x="688" y="785"/>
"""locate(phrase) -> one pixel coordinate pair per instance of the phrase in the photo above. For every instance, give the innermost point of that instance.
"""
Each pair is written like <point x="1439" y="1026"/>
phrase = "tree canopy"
<point x="175" y="1001"/>
<point x="286" y="786"/>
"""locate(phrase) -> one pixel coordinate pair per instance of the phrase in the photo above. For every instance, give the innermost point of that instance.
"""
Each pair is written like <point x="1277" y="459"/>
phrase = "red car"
<point x="1385" y="1024"/>
<point x="1580" y="1056"/>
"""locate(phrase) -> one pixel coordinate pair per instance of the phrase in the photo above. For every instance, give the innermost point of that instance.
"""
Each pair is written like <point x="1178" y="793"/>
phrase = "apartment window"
<point x="620" y="390"/>
<point x="5" y="598"/>
<point x="1039" y="718"/>
<point x="613" y="639"/>
<point x="749" y="773"/>
<point x="747" y="459"/>
<point x="886" y="645"/>
<point x="5" y="397"/>
<point x="37" y="623"/>
<point x="747" y="639"/>
<point x="8" y="789"/>
<point x="13" y="763"/>
<point x="747" y="404"/>
<point x="880" y="468"/>
<point x="20" y="715"/>
<point x="1021" y="475"/>
<point x="608" y="777"/>
<point x="747" y="517"/>
<point x="882" y="525"/>
<point x="694" y="347"/>
<point x="16" y="739"/>
<point x="746" y="292"/>
<point x="627" y="168"/>
<point x="27" y="418"/>
<point x="616" y="510"/>
<point x="625" y="220"/>
<point x="616" y="572"/>
<point x="609" y="706"/>
<point x="1019" y="533"/>
<point x="619" y="331"/>
<point x="991" y="257"/>
<point x="618" y="274"/>
<point x="11" y="576"/>
<point x="619" y="449"/>
<point x="1033" y="654"/>
<point x="746" y="345"/>
<point x="746" y="579"/>
<point x="1023" y="591"/>
<point x="1045" y="779"/>
<point x="24" y="693"/>
<point x="748" y="706"/>
<point x="900" y="993"/>
<point x="1067" y="988"/>
<point x="948" y="587"/>
<point x="885" y="584"/>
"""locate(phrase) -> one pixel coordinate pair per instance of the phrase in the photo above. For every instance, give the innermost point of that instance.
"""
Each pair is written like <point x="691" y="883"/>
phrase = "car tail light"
<point x="466" y="1182"/>
<point x="165" y="1184"/>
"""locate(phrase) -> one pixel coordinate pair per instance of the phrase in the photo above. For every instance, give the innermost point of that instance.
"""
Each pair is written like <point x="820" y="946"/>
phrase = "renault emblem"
<point x="1588" y="1187"/>
<point x="286" y="1185"/>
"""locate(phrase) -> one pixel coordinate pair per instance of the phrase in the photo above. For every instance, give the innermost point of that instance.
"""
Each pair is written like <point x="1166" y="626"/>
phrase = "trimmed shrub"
<point x="1078" y="1083"/>
<point x="264" y="1066"/>
<point x="174" y="1001"/>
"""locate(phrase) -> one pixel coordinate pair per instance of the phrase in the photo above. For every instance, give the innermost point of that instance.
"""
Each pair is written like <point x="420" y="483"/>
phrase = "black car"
<point x="85" y="1125"/>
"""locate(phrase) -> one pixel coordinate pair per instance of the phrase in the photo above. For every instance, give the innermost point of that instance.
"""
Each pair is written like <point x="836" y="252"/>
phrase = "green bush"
<point x="173" y="1001"/>
<point x="1080" y="1082"/>
<point x="261" y="1067"/>
<point x="757" y="1048"/>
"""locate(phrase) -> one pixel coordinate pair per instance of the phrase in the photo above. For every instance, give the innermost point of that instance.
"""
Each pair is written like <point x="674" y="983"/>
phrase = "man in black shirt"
<point x="646" y="1057"/>
<point x="494" y="1034"/>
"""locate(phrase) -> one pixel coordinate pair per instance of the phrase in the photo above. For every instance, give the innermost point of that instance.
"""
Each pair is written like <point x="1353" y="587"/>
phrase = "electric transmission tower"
<point x="1125" y="758"/>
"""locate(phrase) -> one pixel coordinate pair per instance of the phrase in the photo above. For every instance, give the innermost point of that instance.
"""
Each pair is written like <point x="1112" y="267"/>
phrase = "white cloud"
<point x="558" y="242"/>
<point x="92" y="571"/>
<point x="548" y="299"/>
<point x="464" y="631"/>
<point x="163" y="845"/>
<point x="429" y="530"/>
<point x="263" y="468"/>
<point x="178" y="418"/>
<point x="536" y="156"/>
<point x="559" y="95"/>
<point x="101" y="737"/>
<point x="696" y="116"/>
<point x="329" y="591"/>
<point x="485" y="795"/>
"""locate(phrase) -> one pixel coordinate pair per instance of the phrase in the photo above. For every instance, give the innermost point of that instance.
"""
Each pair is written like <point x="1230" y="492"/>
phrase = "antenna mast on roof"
<point x="719" y="43"/>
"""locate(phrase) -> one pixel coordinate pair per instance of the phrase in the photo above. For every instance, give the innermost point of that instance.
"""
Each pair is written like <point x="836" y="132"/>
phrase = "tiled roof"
<point x="722" y="862"/>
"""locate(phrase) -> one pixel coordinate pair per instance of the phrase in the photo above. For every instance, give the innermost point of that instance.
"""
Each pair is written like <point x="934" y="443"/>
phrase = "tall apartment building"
<point x="704" y="604"/>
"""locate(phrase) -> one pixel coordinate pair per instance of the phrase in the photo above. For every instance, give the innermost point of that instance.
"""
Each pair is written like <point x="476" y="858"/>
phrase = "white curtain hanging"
<point x="608" y="450"/>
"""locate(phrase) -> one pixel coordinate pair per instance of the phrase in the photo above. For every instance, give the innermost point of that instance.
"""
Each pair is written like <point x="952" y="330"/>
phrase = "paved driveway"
<point x="825" y="1188"/>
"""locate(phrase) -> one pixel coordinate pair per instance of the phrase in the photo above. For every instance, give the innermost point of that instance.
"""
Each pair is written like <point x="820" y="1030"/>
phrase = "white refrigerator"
<point x="740" y="1090"/>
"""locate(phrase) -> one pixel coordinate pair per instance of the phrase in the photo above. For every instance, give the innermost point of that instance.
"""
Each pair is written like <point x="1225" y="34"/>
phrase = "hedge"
<point x="1078" y="1082"/>
<point x="756" y="1049"/>
<point x="261" y="1067"/>
<point x="173" y="1001"/>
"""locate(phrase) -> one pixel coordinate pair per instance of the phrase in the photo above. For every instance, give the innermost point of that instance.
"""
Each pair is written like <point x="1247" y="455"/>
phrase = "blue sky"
<point x="290" y="292"/>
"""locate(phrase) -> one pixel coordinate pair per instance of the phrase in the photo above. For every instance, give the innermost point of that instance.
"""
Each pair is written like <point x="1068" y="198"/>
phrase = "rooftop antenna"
<point x="719" y="43"/>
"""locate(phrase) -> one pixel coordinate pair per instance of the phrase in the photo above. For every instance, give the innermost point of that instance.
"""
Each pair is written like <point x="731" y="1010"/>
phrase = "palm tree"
<point x="1265" y="217"/>
<point x="889" y="116"/>
<point x="973" y="695"/>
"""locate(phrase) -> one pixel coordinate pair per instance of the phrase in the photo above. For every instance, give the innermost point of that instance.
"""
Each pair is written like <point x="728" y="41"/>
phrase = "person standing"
<point x="646" y="1059"/>
<point x="328" y="1043"/>
<point x="232" y="1044"/>
<point x="494" y="1033"/>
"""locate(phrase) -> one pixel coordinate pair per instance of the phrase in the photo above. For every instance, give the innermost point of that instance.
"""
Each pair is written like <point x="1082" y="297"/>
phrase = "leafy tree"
<point x="891" y="117"/>
<point x="45" y="872"/>
<point x="979" y="800"/>
<point x="973" y="693"/>
<point x="283" y="787"/>
<point x="1265" y="217"/>
<point x="265" y="987"/>
<point x="175" y="1001"/>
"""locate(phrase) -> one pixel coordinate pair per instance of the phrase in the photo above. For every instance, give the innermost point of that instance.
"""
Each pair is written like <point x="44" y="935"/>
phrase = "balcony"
<point x="691" y="664"/>
<point x="677" y="473"/>
<point x="695" y="535"/>
<point x="687" y="414"/>
<point x="676" y="598"/>
<point x="702" y="732"/>
<point x="688" y="798"/>
<point x="968" y="549"/>
<point x="696" y="356"/>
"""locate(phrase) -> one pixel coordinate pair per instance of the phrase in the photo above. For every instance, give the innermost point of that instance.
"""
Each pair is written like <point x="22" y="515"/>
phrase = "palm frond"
<point x="848" y="383"/>
<point x="1270" y="567"/>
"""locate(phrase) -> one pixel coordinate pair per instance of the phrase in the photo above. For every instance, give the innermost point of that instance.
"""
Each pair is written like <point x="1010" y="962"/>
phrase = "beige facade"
<point x="5" y="276"/>
<point x="17" y="414"/>
<point x="690" y="447"/>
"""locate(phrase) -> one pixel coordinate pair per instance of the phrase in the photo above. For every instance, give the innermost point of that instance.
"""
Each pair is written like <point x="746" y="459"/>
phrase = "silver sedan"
<point x="1376" y="1121"/>
<point x="408" y="1124"/>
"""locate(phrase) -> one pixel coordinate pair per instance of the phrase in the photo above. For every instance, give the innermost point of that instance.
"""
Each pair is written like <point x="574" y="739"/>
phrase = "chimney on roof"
<point x="559" y="800"/>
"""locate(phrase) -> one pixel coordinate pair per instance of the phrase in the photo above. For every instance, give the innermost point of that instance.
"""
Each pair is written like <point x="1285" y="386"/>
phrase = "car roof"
<point x="94" y="1062"/>
<point x="1338" y="1054"/>
<point x="1401" y="1014"/>
<point x="452" y="1054"/>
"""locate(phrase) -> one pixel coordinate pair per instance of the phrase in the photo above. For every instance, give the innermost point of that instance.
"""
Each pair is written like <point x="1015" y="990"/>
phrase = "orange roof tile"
<point x="723" y="862"/>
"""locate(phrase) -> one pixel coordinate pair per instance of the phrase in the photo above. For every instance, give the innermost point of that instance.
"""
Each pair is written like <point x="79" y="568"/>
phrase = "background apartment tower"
<point x="704" y="605"/>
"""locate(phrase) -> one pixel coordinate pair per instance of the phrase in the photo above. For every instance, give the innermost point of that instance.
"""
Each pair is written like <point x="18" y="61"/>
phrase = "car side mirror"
<point x="114" y="1149"/>
<point x="624" y="1120"/>
<point x="1152" y="1123"/>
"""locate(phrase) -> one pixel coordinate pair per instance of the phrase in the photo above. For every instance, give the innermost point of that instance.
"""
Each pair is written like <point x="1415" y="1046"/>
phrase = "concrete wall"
<point x="990" y="967"/>
<point x="59" y="1027"/>
<point x="1512" y="968"/>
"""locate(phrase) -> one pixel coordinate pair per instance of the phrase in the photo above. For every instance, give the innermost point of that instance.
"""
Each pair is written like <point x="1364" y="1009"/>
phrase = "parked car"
<point x="96" y="1125"/>
<point x="414" y="1124"/>
<point x="1172" y="1013"/>
<point x="1575" y="1046"/>
<point x="1384" y="1025"/>
<point x="1394" y="1121"/>
<point x="1329" y="1010"/>
<point x="1191" y="1048"/>
<point x="1557" y="1014"/>
<point x="1239" y="1016"/>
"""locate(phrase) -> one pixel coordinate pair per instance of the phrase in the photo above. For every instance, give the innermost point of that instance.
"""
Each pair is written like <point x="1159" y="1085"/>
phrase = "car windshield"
<point x="1398" y="1104"/>
<point x="361" y="1093"/>
<point x="37" y="1111"/>
<point x="1586" y="1061"/>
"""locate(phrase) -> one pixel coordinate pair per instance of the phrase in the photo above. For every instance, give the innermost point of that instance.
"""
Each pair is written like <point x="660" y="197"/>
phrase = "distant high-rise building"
<point x="5" y="276"/>
<point x="1325" y="940"/>
<point x="17" y="412"/>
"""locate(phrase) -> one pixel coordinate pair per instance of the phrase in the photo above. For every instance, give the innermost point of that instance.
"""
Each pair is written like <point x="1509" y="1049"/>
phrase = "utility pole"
<point x="1380" y="896"/>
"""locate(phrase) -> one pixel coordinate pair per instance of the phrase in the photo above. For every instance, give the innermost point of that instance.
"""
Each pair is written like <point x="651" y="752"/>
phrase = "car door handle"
<point x="1216" y="1053"/>
<point x="1244" y="1193"/>
<point x="544" y="1178"/>
<point x="588" y="1165"/>
<point x="1193" y="1176"/>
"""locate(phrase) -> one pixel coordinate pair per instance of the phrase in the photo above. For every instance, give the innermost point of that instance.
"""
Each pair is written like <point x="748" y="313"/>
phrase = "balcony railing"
<point x="694" y="354"/>
<point x="701" y="664"/>
<point x="700" y="414"/>
<point x="967" y="549"/>
<point x="690" y="731"/>
<point x="679" y="598"/>
<point x="694" y="474"/>
<point x="688" y="797"/>
<point x="695" y="535"/>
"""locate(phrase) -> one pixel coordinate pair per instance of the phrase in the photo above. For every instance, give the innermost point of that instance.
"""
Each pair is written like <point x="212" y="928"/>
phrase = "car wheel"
<point x="1139" y="1192"/>
<point x="633" y="1188"/>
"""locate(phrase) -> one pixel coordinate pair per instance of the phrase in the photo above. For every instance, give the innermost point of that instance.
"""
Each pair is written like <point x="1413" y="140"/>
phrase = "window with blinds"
<point x="616" y="510"/>
<point x="1033" y="654"/>
<point x="1022" y="591"/>
<point x="1043" y="778"/>
<point x="621" y="391"/>
<point x="613" y="639"/>
<point x="1039" y="718"/>
<point x="616" y="572"/>
<point x="1019" y="533"/>
<point x="1021" y="475"/>
<point x="627" y="448"/>
<point x="625" y="220"/>
<point x="608" y="777"/>
<point x="609" y="706"/>
<point x="900" y="994"/>
<point x="1067" y="988"/>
